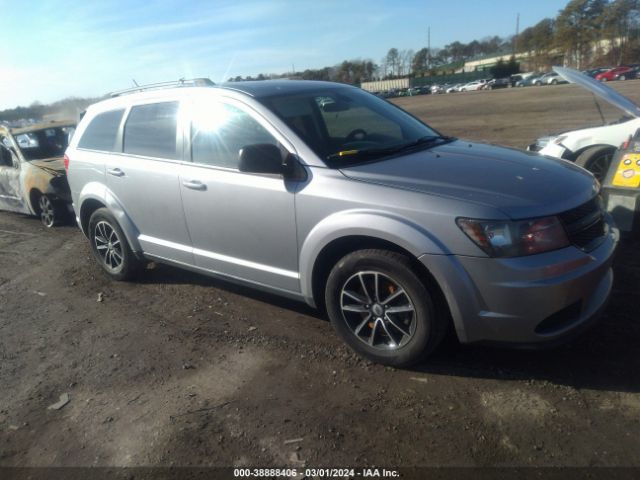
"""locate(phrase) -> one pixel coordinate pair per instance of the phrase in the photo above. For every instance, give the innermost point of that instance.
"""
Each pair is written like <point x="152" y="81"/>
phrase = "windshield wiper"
<point x="421" y="142"/>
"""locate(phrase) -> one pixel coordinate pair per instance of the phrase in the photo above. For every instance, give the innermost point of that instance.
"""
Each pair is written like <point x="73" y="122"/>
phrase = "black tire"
<point x="597" y="160"/>
<point x="622" y="77"/>
<point x="554" y="82"/>
<point x="111" y="248"/>
<point x="408" y="336"/>
<point x="50" y="211"/>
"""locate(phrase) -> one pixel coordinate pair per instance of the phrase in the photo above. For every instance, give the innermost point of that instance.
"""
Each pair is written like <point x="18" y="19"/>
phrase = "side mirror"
<point x="261" y="158"/>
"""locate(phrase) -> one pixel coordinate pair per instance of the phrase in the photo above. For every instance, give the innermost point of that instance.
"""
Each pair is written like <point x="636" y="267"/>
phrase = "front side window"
<point x="219" y="131"/>
<point x="346" y="125"/>
<point x="151" y="130"/>
<point x="102" y="132"/>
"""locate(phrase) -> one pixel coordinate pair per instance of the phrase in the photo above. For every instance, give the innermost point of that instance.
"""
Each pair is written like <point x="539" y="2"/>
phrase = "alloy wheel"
<point x="378" y="310"/>
<point x="108" y="245"/>
<point x="47" y="211"/>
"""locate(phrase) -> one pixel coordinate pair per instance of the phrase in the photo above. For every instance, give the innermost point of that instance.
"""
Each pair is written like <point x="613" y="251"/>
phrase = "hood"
<point x="54" y="165"/>
<point x="520" y="184"/>
<point x="603" y="91"/>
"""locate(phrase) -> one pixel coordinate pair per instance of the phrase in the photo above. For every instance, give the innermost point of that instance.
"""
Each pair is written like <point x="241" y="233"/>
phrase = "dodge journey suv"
<point x="325" y="193"/>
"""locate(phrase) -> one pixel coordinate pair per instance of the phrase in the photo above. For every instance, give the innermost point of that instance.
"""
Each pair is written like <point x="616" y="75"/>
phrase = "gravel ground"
<point x="180" y="369"/>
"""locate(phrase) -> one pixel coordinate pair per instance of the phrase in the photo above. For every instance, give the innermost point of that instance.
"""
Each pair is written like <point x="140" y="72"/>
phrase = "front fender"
<point x="612" y="135"/>
<point x="370" y="223"/>
<point x="95" y="191"/>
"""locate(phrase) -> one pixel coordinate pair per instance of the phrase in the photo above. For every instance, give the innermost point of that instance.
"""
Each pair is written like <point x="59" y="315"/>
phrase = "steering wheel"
<point x="356" y="135"/>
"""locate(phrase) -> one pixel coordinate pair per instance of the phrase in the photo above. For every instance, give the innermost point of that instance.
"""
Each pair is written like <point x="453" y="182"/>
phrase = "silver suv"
<point x="325" y="193"/>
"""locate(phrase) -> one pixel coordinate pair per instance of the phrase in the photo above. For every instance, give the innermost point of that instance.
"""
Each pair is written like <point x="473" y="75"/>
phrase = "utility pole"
<point x="515" y="39"/>
<point x="428" y="48"/>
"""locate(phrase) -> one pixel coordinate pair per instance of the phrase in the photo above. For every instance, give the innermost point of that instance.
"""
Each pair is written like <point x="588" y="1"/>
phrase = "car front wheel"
<point x="597" y="160"/>
<point x="382" y="309"/>
<point x="110" y="246"/>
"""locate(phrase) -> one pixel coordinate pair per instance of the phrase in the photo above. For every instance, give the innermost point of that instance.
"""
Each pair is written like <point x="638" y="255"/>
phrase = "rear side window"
<point x="151" y="130"/>
<point x="101" y="133"/>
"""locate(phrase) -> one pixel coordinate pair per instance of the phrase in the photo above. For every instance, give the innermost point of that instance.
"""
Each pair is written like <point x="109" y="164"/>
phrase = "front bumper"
<point x="530" y="300"/>
<point x="547" y="147"/>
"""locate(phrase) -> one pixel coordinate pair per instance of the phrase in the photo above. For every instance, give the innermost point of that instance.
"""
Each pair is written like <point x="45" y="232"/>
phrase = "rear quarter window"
<point x="102" y="131"/>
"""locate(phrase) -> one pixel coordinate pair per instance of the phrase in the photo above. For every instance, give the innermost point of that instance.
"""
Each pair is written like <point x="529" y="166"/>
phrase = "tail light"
<point x="66" y="162"/>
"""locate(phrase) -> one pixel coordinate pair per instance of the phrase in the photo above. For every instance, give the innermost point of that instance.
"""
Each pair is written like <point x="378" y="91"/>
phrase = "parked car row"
<point x="539" y="79"/>
<point x="403" y="92"/>
<point x="622" y="72"/>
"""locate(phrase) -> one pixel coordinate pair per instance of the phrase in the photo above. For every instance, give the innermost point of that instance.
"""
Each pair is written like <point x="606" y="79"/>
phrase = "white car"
<point x="471" y="86"/>
<point x="591" y="148"/>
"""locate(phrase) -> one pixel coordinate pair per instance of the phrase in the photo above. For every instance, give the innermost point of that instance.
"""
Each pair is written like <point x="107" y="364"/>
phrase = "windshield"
<point x="45" y="143"/>
<point x="345" y="126"/>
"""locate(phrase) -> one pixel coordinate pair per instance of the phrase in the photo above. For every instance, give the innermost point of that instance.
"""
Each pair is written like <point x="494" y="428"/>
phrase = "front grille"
<point x="585" y="224"/>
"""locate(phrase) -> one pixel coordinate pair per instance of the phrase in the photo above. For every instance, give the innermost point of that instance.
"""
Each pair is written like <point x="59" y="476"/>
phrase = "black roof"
<point x="268" y="88"/>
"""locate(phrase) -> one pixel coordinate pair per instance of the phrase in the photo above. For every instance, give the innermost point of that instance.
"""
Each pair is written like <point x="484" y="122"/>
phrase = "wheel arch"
<point x="34" y="196"/>
<point x="575" y="154"/>
<point x="336" y="249"/>
<point x="87" y="208"/>
<point x="94" y="197"/>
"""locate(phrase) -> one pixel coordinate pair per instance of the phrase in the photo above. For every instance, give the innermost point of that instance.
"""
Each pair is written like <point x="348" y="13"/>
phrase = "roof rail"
<point x="193" y="82"/>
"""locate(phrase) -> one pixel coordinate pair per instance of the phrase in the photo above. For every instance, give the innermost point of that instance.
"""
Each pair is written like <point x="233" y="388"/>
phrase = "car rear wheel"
<point x="51" y="213"/>
<point x="597" y="160"/>
<point x="110" y="246"/>
<point x="381" y="309"/>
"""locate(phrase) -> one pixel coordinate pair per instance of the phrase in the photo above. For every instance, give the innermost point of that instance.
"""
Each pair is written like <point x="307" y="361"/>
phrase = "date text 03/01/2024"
<point x="315" y="472"/>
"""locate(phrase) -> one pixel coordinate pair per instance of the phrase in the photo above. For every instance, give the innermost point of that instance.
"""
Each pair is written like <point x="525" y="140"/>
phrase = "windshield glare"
<point x="343" y="122"/>
<point x="45" y="143"/>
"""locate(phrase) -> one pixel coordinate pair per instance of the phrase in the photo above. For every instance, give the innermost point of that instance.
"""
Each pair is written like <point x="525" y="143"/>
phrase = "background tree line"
<point x="586" y="33"/>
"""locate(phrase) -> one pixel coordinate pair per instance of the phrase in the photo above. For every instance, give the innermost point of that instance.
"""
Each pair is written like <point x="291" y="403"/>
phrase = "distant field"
<point x="515" y="116"/>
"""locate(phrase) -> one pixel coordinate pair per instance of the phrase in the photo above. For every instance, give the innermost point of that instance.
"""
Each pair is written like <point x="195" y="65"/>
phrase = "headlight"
<point x="540" y="143"/>
<point x="515" y="238"/>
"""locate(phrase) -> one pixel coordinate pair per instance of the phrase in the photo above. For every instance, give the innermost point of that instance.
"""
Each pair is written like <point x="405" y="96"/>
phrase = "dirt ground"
<point x="180" y="369"/>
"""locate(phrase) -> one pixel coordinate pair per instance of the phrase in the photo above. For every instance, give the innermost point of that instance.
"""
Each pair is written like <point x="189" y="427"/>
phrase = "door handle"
<point x="194" y="185"/>
<point x="116" y="172"/>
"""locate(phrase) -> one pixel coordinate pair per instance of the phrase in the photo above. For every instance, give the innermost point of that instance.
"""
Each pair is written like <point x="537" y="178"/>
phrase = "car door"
<point x="144" y="178"/>
<point x="241" y="224"/>
<point x="11" y="197"/>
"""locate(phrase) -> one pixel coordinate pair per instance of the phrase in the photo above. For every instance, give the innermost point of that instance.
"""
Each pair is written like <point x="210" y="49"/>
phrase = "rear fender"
<point x="98" y="192"/>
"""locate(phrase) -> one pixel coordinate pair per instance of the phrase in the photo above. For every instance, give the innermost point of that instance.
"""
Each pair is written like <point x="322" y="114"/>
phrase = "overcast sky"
<point x="55" y="49"/>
